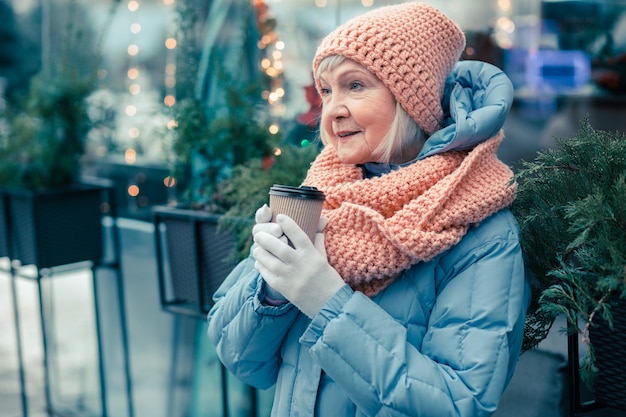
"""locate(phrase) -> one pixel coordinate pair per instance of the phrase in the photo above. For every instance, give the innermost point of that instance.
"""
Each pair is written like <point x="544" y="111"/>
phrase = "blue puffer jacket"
<point x="442" y="340"/>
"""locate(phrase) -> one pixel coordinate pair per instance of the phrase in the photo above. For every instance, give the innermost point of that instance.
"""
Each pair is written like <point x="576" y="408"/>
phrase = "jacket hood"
<point x="477" y="100"/>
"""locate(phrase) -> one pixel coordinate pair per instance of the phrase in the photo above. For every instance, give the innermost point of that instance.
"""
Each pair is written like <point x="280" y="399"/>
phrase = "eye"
<point x="324" y="91"/>
<point x="356" y="85"/>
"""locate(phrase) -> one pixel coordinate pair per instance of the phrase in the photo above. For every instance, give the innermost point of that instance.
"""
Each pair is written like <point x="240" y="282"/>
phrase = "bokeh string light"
<point x="271" y="64"/>
<point x="137" y="82"/>
<point x="170" y="78"/>
<point x="132" y="77"/>
<point x="504" y="26"/>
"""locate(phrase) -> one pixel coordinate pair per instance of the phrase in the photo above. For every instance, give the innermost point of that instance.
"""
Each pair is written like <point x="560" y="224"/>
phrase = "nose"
<point x="336" y="107"/>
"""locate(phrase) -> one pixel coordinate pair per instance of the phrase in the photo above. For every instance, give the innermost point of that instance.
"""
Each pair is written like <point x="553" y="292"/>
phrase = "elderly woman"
<point x="411" y="300"/>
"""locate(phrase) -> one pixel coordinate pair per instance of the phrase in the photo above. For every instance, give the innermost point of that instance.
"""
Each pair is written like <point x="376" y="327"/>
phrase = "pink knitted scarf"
<point x="379" y="227"/>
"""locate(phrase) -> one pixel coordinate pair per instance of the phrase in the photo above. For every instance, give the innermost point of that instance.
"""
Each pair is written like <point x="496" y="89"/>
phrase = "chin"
<point x="350" y="159"/>
<point x="347" y="155"/>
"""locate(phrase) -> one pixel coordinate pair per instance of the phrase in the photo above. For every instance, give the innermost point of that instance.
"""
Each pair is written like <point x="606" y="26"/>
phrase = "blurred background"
<point x="111" y="348"/>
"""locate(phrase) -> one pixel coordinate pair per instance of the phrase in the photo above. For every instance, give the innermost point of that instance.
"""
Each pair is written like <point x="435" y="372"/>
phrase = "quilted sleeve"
<point x="246" y="332"/>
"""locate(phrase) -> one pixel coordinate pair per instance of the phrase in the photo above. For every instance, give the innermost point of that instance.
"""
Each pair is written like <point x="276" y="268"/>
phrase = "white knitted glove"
<point x="302" y="273"/>
<point x="263" y="217"/>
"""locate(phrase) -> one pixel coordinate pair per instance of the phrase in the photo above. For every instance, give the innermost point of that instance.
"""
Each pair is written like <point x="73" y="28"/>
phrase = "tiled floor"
<point x="173" y="366"/>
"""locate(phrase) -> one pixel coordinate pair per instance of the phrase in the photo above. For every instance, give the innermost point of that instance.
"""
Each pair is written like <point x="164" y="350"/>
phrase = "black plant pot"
<point x="194" y="258"/>
<point x="56" y="227"/>
<point x="608" y="347"/>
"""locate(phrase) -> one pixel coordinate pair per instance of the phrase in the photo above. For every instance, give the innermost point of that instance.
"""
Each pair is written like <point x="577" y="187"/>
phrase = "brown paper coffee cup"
<point x="303" y="204"/>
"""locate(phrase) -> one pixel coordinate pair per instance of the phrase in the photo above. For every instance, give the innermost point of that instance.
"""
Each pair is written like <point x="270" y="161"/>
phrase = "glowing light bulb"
<point x="130" y="156"/>
<point x="169" y="100"/>
<point x="133" y="190"/>
<point x="170" y="43"/>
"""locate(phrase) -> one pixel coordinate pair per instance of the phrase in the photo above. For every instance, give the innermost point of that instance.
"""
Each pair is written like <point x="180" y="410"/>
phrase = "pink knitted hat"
<point x="411" y="47"/>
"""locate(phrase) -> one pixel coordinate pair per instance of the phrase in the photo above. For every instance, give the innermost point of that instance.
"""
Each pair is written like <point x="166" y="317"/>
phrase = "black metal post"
<point x="18" y="338"/>
<point x="224" y="390"/>
<point x="173" y="360"/>
<point x="44" y="343"/>
<point x="101" y="370"/>
<point x="122" y="309"/>
<point x="577" y="407"/>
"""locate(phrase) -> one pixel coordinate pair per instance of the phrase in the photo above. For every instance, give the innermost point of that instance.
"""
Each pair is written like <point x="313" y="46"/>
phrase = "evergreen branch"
<point x="585" y="332"/>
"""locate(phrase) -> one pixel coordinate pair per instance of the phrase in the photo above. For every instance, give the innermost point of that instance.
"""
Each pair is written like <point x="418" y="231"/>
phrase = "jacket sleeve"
<point x="467" y="355"/>
<point x="247" y="333"/>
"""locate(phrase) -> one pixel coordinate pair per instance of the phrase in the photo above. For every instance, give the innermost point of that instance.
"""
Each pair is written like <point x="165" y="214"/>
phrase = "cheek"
<point x="380" y="125"/>
<point x="326" y="129"/>
<point x="388" y="110"/>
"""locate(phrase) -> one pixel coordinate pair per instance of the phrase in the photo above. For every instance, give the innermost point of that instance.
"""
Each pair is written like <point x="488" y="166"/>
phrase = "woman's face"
<point x="357" y="111"/>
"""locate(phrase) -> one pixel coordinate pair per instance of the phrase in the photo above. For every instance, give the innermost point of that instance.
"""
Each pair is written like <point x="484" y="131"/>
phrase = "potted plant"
<point x="207" y="142"/>
<point x="572" y="213"/>
<point x="50" y="216"/>
<point x="222" y="123"/>
<point x="195" y="253"/>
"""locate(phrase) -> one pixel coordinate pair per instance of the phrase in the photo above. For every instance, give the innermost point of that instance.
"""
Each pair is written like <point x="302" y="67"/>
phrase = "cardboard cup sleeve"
<point x="303" y="204"/>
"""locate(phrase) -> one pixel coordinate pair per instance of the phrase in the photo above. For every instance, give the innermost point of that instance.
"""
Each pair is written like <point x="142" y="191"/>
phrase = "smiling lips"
<point x="345" y="134"/>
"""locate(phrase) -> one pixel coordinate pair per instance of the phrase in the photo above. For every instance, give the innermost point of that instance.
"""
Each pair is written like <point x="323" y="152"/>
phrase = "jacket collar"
<point x="477" y="100"/>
